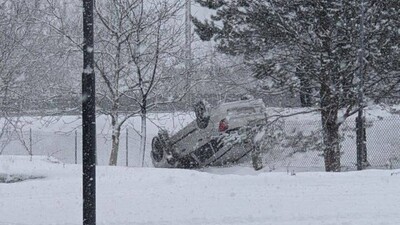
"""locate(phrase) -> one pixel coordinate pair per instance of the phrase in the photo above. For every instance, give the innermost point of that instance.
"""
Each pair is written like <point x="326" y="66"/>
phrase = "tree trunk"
<point x="115" y="142"/>
<point x="329" y="112"/>
<point x="332" y="148"/>
<point x="329" y="95"/>
<point x="305" y="89"/>
<point x="361" y="143"/>
<point x="143" y="134"/>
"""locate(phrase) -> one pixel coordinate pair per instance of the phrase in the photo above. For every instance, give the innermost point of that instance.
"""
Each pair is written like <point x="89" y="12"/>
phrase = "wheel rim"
<point x="157" y="151"/>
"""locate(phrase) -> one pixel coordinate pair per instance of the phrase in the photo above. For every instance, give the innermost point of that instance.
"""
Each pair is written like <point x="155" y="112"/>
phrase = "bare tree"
<point x="34" y="67"/>
<point x="138" y="50"/>
<point x="136" y="42"/>
<point x="16" y="63"/>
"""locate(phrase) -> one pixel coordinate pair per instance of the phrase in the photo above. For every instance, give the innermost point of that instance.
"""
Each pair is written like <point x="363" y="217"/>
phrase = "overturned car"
<point x="219" y="136"/>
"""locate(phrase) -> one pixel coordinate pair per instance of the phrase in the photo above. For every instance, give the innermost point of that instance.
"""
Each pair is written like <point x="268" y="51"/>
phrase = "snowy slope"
<point x="238" y="195"/>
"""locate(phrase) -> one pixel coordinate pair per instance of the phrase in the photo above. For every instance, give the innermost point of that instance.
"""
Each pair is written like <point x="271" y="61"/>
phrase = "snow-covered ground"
<point x="236" y="195"/>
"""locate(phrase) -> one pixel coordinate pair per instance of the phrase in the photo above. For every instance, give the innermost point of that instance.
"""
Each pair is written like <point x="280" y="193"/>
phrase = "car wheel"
<point x="157" y="151"/>
<point x="161" y="155"/>
<point x="201" y="109"/>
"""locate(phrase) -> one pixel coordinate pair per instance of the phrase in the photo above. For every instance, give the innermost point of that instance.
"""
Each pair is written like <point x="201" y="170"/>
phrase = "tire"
<point x="201" y="109"/>
<point x="160" y="154"/>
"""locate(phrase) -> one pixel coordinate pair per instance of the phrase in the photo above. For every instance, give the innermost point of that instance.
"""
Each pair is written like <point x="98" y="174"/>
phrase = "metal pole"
<point x="76" y="147"/>
<point x="30" y="142"/>
<point x="126" y="147"/>
<point x="188" y="46"/>
<point x="360" y="117"/>
<point x="88" y="118"/>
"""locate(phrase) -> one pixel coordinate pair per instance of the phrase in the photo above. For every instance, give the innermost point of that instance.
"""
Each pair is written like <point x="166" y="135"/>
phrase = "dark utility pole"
<point x="188" y="48"/>
<point x="360" y="120"/>
<point x="88" y="118"/>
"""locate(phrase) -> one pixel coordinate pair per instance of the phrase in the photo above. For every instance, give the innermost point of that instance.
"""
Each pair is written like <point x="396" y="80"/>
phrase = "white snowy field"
<point x="234" y="196"/>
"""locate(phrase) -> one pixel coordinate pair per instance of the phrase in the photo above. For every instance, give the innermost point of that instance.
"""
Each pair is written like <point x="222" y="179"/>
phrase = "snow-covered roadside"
<point x="236" y="195"/>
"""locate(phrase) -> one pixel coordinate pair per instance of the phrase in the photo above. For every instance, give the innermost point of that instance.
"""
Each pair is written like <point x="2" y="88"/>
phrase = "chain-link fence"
<point x="303" y="147"/>
<point x="61" y="138"/>
<point x="67" y="147"/>
<point x="300" y="151"/>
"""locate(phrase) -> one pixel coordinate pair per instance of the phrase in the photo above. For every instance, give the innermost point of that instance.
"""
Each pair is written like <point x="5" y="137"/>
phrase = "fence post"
<point x="126" y="147"/>
<point x="30" y="142"/>
<point x="76" y="147"/>
<point x="361" y="140"/>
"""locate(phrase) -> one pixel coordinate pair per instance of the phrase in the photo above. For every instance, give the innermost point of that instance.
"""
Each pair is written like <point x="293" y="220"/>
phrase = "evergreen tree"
<point x="382" y="49"/>
<point x="304" y="44"/>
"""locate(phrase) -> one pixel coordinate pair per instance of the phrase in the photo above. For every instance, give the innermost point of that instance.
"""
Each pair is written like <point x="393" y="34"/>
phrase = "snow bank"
<point x="237" y="195"/>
